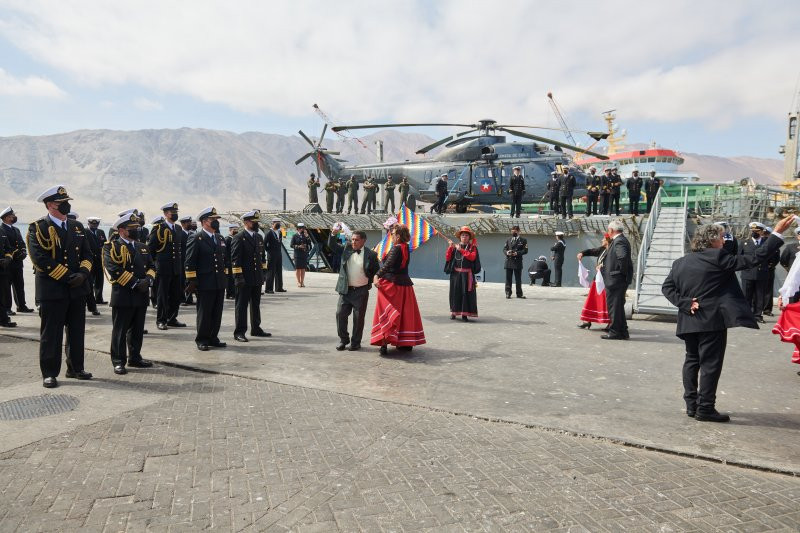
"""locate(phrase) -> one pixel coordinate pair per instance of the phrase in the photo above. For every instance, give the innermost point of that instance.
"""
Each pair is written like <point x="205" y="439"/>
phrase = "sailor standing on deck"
<point x="98" y="276"/>
<point x="313" y="185"/>
<point x="652" y="186"/>
<point x="593" y="182"/>
<point x="566" y="189"/>
<point x="248" y="264"/>
<point x="605" y="191"/>
<point x="403" y="189"/>
<point x="514" y="248"/>
<point x="341" y="192"/>
<point x="552" y="187"/>
<point x="615" y="185"/>
<point x="165" y="244"/>
<point x="388" y="196"/>
<point x="205" y="270"/>
<point x="62" y="258"/>
<point x="330" y="193"/>
<point x="634" y="186"/>
<point x="517" y="190"/>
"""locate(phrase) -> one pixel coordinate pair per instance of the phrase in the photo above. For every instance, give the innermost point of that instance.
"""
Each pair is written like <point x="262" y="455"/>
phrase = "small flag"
<point x="486" y="185"/>
<point x="419" y="228"/>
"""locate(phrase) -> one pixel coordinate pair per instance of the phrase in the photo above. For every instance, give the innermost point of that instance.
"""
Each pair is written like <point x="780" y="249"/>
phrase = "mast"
<point x="616" y="139"/>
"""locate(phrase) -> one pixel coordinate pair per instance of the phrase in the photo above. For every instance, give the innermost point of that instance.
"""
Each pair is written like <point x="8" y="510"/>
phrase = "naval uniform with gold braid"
<point x="248" y="264"/>
<point x="131" y="272"/>
<point x="58" y="255"/>
<point x="164" y="245"/>
<point x="205" y="269"/>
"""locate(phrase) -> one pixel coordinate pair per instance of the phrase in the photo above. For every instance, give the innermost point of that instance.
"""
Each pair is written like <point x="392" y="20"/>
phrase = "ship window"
<point x="651" y="159"/>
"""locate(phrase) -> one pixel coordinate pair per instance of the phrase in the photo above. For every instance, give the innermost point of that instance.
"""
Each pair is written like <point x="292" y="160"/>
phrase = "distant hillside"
<point x="107" y="171"/>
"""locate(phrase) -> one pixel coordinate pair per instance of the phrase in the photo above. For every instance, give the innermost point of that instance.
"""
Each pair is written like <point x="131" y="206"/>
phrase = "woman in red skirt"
<point x="595" y="308"/>
<point x="397" y="320"/>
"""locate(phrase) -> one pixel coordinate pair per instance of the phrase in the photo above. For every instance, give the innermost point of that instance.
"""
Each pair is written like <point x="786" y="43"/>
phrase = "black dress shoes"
<point x="120" y="370"/>
<point x="78" y="375"/>
<point x="218" y="344"/>
<point x="280" y="290"/>
<point x="10" y="313"/>
<point x="202" y="347"/>
<point x="341" y="346"/>
<point x="239" y="337"/>
<point x="691" y="411"/>
<point x="8" y="324"/>
<point x="614" y="337"/>
<point x="162" y="326"/>
<point x="711" y="416"/>
<point x="354" y="347"/>
<point x="95" y="313"/>
<point x="176" y="324"/>
<point x="260" y="333"/>
<point x="523" y="297"/>
<point x="49" y="383"/>
<point x="508" y="296"/>
<point x="269" y="292"/>
<point x="585" y="325"/>
<point x="384" y="350"/>
<point x="140" y="363"/>
<point x="464" y="318"/>
<point x="28" y="309"/>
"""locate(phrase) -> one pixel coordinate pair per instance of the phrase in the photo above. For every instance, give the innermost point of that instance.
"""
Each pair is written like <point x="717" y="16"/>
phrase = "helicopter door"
<point x="428" y="176"/>
<point x="483" y="180"/>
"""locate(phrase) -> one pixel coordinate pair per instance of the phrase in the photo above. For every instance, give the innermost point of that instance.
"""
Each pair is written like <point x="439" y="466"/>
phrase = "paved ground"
<point x="297" y="436"/>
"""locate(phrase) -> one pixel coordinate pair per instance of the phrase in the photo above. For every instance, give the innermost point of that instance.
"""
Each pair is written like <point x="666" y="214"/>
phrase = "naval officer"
<point x="165" y="244"/>
<point x="18" y="255"/>
<point x="248" y="264"/>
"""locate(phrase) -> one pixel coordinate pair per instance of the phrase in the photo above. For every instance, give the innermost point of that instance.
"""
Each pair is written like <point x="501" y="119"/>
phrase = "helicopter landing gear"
<point x="462" y="207"/>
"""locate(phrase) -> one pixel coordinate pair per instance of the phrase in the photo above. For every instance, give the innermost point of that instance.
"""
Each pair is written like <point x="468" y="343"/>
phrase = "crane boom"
<point x="560" y="118"/>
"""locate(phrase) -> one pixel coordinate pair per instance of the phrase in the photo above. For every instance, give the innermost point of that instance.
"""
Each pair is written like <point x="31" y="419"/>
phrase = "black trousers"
<point x="633" y="204"/>
<point x="355" y="303"/>
<point x="91" y="303"/>
<point x="516" y="205"/>
<point x="230" y="289"/>
<point x="615" y="301"/>
<point x="98" y="280"/>
<point x="554" y="208"/>
<point x="566" y="206"/>
<point x="56" y="315"/>
<point x="557" y="269"/>
<point x="705" y="352"/>
<point x="769" y="287"/>
<point x="544" y="275"/>
<point x="614" y="204"/>
<point x="248" y="297"/>
<point x="169" y="293"/>
<point x="650" y="199"/>
<point x="273" y="276"/>
<point x="17" y="279"/>
<point x="517" y="274"/>
<point x="127" y="332"/>
<point x="591" y="204"/>
<point x="439" y="206"/>
<point x="754" y="294"/>
<point x="5" y="291"/>
<point x="605" y="200"/>
<point x="209" y="316"/>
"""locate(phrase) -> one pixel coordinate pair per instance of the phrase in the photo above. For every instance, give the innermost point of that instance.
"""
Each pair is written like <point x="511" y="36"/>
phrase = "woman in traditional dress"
<point x="397" y="320"/>
<point x="595" y="308"/>
<point x="461" y="261"/>
<point x="301" y="244"/>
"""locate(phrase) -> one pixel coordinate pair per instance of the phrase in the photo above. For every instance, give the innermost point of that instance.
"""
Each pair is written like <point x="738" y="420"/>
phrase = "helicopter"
<point x="478" y="163"/>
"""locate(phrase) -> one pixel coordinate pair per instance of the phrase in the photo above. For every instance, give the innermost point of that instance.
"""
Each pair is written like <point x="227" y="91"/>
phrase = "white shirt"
<point x="355" y="270"/>
<point x="212" y="235"/>
<point x="251" y="233"/>
<point x="56" y="221"/>
<point x="170" y="224"/>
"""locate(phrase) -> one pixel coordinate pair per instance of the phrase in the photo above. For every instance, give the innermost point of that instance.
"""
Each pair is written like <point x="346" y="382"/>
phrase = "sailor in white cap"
<point x="552" y="192"/>
<point x="14" y="270"/>
<point x="754" y="280"/>
<point x="593" y="183"/>
<point x="558" y="256"/>
<point x="274" y="274"/>
<point x="540" y="270"/>
<point x="634" y="186"/>
<point x="441" y="195"/>
<point x="131" y="270"/>
<point x="651" y="189"/>
<point x="97" y="238"/>
<point x="230" y="289"/>
<point x="62" y="258"/>
<point x="566" y="190"/>
<point x="6" y="257"/>
<point x="205" y="273"/>
<point x="730" y="243"/>
<point x="166" y="244"/>
<point x="517" y="189"/>
<point x="72" y="215"/>
<point x="248" y="265"/>
<point x="615" y="185"/>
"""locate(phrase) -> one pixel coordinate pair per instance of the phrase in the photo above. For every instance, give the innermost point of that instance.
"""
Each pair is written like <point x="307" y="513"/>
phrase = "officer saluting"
<point x="165" y="245"/>
<point x="131" y="272"/>
<point x="205" y="272"/>
<point x="60" y="253"/>
<point x="248" y="263"/>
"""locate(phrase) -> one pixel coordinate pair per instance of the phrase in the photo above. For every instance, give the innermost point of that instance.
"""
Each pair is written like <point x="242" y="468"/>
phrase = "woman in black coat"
<point x="704" y="288"/>
<point x="301" y="243"/>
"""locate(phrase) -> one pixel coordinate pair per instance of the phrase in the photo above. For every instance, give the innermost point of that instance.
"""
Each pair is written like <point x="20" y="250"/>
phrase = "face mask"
<point x="277" y="226"/>
<point x="254" y="227"/>
<point x="13" y="220"/>
<point x="64" y="208"/>
<point x="756" y="235"/>
<point x="133" y="234"/>
<point x="514" y="233"/>
<point x="173" y="217"/>
<point x="215" y="225"/>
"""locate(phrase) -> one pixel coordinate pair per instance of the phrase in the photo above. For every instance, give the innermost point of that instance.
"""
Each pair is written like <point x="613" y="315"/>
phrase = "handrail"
<point x="641" y="258"/>
<point x="685" y="213"/>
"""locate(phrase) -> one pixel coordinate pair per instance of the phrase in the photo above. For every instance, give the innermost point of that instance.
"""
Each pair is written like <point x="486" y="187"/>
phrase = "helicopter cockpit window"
<point x="428" y="176"/>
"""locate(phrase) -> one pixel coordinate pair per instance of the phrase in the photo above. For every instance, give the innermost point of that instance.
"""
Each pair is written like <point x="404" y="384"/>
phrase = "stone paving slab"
<point x="225" y="453"/>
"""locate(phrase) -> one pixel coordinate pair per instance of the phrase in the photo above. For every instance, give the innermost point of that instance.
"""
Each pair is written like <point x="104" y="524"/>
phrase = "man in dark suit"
<point x="634" y="186"/>
<point x="702" y="285"/>
<point x="205" y="270"/>
<point x="754" y="278"/>
<point x="558" y="256"/>
<point x="98" y="237"/>
<point x="566" y="189"/>
<point x="514" y="248"/>
<point x="164" y="243"/>
<point x="359" y="266"/>
<point x="516" y="188"/>
<point x="605" y="191"/>
<point x="615" y="185"/>
<point x="248" y="263"/>
<point x="274" y="246"/>
<point x="617" y="275"/>
<point x="60" y="253"/>
<point x="18" y="254"/>
<point x="651" y="189"/>
<point x="593" y="182"/>
<point x="131" y="270"/>
<point x="552" y="192"/>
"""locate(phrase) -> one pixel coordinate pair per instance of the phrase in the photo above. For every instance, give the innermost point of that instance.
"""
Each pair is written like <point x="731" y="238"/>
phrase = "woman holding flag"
<point x="397" y="320"/>
<point x="595" y="308"/>
<point x="461" y="262"/>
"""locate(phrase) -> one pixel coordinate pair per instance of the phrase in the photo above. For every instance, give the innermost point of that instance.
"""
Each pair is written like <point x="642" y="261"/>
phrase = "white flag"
<point x="583" y="275"/>
<point x="599" y="284"/>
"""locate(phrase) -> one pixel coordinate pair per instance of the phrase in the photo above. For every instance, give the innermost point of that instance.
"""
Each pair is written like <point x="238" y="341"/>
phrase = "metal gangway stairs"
<point x="663" y="241"/>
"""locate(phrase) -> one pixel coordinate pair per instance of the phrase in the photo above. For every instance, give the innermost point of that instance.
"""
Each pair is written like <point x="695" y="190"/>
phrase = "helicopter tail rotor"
<point x="317" y="151"/>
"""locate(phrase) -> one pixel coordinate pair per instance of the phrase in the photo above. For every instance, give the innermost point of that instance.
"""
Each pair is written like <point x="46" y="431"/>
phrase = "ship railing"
<point x="647" y="237"/>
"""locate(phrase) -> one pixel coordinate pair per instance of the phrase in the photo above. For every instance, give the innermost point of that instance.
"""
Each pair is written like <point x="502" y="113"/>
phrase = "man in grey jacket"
<point x="359" y="266"/>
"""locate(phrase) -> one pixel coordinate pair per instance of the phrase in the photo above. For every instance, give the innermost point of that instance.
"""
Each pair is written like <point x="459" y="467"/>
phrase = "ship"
<point x="663" y="161"/>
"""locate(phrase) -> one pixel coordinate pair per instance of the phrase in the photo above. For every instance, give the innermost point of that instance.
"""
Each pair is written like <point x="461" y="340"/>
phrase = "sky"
<point x="711" y="77"/>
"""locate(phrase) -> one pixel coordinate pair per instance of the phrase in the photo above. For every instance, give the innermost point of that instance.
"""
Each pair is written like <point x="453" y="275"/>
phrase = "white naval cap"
<point x="127" y="212"/>
<point x="768" y="229"/>
<point x="276" y="219"/>
<point x="56" y="193"/>
<point x="128" y="219"/>
<point x="208" y="212"/>
<point x="542" y="258"/>
<point x="722" y="223"/>
<point x="559" y="234"/>
<point x="73" y="214"/>
<point x="443" y="175"/>
<point x="158" y="219"/>
<point x="185" y="218"/>
<point x="93" y="219"/>
<point x="757" y="225"/>
<point x="250" y="215"/>
<point x="231" y="226"/>
<point x="170" y="205"/>
<point x="797" y="230"/>
<point x="6" y="211"/>
<point x="301" y="225"/>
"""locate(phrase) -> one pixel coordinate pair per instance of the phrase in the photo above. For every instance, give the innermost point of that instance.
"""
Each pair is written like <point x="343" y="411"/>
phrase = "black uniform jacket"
<point x="759" y="270"/>
<point x="371" y="264"/>
<point x="205" y="261"/>
<point x="788" y="255"/>
<point x="618" y="265"/>
<point x="566" y="185"/>
<point x="16" y="242"/>
<point x="56" y="255"/>
<point x="124" y="268"/>
<point x="558" y="252"/>
<point x="248" y="257"/>
<point x="5" y="255"/>
<point x="520" y="246"/>
<point x="273" y="245"/>
<point x="710" y="276"/>
<point x="165" y="247"/>
<point x="441" y="188"/>
<point x="634" y="186"/>
<point x="96" y="241"/>
<point x="517" y="185"/>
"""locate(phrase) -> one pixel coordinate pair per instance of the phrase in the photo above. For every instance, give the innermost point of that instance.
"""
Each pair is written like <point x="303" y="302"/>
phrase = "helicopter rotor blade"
<point x="370" y="126"/>
<point x="554" y="142"/>
<point x="324" y="129"/>
<point x="466" y="132"/>
<point x="304" y="136"/>
<point x="316" y="161"/>
<point x="328" y="152"/>
<point x="426" y="149"/>
<point x="309" y="154"/>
